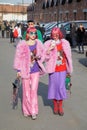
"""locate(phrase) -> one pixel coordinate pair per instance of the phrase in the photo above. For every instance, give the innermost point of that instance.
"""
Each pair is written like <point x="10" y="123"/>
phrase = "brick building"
<point x="57" y="10"/>
<point x="13" y="12"/>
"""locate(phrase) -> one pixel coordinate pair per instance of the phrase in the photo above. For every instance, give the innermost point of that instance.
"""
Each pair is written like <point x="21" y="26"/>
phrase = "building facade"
<point x="12" y="12"/>
<point x="57" y="10"/>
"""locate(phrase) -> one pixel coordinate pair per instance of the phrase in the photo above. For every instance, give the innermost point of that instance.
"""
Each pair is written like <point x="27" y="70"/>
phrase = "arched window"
<point x="27" y="9"/>
<point x="30" y="8"/>
<point x="70" y="1"/>
<point x="43" y="6"/>
<point x="52" y="3"/>
<point x="67" y="16"/>
<point x="57" y="2"/>
<point x="63" y="2"/>
<point x="74" y="13"/>
<point x="85" y="15"/>
<point x="78" y="0"/>
<point x="47" y="4"/>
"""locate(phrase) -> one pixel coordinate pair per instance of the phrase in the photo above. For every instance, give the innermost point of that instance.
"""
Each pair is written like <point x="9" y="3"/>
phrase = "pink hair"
<point x="57" y="31"/>
<point x="31" y="29"/>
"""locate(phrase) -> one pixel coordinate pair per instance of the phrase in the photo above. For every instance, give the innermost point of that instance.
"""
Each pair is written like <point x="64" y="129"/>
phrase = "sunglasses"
<point x="33" y="33"/>
<point x="31" y="24"/>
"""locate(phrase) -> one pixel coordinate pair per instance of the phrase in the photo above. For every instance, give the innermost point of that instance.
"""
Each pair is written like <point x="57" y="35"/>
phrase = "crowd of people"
<point x="7" y="30"/>
<point x="76" y="39"/>
<point x="34" y="59"/>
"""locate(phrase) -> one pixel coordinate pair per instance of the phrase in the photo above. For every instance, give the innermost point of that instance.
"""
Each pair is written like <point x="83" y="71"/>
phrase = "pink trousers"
<point x="30" y="97"/>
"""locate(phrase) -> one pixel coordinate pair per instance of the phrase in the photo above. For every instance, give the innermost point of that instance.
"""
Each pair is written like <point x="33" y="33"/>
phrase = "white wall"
<point x="18" y="17"/>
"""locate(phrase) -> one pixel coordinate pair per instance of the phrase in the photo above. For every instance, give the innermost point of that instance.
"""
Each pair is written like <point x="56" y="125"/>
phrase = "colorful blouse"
<point x="34" y="65"/>
<point x="61" y="60"/>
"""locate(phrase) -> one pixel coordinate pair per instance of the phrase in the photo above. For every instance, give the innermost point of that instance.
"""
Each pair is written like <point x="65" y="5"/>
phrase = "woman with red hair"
<point x="58" y="64"/>
<point x="28" y="62"/>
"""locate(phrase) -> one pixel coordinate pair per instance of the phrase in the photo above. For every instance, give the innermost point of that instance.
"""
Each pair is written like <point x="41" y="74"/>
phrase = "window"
<point x="85" y="15"/>
<point x="67" y="14"/>
<point x="61" y="17"/>
<point x="67" y="27"/>
<point x="74" y="15"/>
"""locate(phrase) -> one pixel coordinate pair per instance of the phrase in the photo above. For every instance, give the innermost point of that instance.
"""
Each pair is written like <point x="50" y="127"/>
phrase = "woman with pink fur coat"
<point x="58" y="64"/>
<point x="28" y="62"/>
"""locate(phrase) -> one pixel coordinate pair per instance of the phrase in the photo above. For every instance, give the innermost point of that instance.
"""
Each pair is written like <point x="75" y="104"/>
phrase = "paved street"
<point x="75" y="108"/>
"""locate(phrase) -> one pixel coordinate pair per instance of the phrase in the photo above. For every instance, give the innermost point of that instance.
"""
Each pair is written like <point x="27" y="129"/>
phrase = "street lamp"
<point x="32" y="9"/>
<point x="22" y="8"/>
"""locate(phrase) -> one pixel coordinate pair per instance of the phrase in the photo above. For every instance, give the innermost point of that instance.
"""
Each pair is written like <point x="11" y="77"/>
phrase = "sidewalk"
<point x="75" y="107"/>
<point x="83" y="60"/>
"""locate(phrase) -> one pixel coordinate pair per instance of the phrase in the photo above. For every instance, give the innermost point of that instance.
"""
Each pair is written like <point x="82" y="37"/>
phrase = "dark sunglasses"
<point x="33" y="33"/>
<point x="31" y="24"/>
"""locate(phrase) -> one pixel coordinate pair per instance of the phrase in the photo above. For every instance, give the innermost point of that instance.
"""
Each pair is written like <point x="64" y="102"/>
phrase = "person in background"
<point x="11" y="32"/>
<point x="19" y="37"/>
<point x="7" y="29"/>
<point x="43" y="30"/>
<point x="3" y="29"/>
<point x="73" y="29"/>
<point x="29" y="65"/>
<point x="63" y="31"/>
<point x="40" y="28"/>
<point x="80" y="38"/>
<point x="58" y="64"/>
<point x="24" y="28"/>
<point x="32" y="24"/>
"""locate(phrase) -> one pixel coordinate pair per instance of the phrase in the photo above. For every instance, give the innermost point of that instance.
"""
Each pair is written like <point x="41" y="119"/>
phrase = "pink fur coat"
<point x="52" y="57"/>
<point x="22" y="59"/>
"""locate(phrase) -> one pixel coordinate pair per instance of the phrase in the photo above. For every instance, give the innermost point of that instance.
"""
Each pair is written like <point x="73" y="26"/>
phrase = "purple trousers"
<point x="56" y="87"/>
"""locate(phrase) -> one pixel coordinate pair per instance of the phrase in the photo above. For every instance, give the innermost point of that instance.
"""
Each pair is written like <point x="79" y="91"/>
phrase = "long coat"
<point x="22" y="59"/>
<point x="52" y="57"/>
<point x="80" y="35"/>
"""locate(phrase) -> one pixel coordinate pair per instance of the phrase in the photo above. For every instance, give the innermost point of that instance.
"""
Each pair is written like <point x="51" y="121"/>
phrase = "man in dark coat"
<point x="80" y="38"/>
